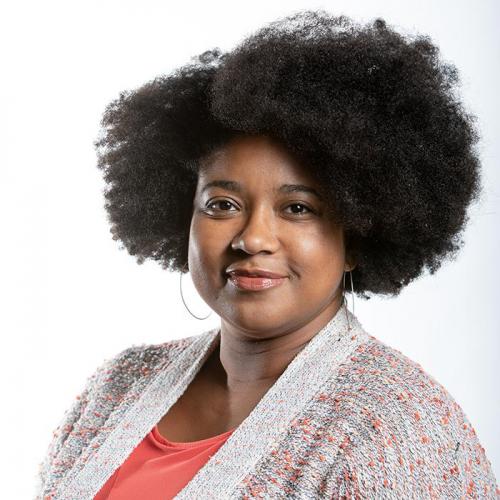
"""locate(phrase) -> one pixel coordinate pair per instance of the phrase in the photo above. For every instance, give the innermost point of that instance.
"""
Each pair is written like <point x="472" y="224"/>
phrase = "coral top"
<point x="158" y="469"/>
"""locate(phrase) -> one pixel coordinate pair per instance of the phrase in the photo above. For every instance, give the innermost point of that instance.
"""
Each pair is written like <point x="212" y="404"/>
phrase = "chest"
<point x="204" y="411"/>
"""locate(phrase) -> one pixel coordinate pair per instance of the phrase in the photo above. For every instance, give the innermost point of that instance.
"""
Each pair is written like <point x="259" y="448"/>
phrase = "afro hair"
<point x="373" y="114"/>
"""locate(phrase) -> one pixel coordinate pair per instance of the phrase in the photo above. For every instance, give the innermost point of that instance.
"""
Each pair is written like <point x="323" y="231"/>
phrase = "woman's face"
<point x="257" y="222"/>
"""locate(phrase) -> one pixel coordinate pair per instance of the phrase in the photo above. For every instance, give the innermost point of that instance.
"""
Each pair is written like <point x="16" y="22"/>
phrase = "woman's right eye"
<point x="209" y="205"/>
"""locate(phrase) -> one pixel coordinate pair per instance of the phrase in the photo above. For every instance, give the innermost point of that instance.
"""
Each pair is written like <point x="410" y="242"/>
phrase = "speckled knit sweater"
<point x="350" y="418"/>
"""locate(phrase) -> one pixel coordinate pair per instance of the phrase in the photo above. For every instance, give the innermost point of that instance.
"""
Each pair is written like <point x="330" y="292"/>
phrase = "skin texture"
<point x="262" y="331"/>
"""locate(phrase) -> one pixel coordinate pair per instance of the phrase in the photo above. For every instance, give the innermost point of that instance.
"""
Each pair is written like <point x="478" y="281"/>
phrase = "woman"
<point x="317" y="157"/>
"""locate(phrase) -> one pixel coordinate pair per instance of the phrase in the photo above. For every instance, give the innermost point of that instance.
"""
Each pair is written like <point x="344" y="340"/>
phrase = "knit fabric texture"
<point x="349" y="418"/>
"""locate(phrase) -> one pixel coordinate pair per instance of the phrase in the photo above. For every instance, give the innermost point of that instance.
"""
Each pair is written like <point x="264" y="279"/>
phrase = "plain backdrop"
<point x="70" y="298"/>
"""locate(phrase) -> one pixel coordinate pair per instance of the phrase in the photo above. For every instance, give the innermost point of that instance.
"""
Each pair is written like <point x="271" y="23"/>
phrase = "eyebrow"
<point x="285" y="188"/>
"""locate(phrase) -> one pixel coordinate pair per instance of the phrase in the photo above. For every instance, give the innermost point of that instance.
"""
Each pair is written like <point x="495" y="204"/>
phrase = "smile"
<point x="254" y="283"/>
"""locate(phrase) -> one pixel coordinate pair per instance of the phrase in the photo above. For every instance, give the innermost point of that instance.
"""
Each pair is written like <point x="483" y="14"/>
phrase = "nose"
<point x="259" y="232"/>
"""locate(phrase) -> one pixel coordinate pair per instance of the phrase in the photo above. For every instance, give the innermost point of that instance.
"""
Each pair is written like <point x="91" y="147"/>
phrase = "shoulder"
<point x="400" y="388"/>
<point x="406" y="428"/>
<point x="150" y="354"/>
<point x="140" y="361"/>
<point x="117" y="380"/>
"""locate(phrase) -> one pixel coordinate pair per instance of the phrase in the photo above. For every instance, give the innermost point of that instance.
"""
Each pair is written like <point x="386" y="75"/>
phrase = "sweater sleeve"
<point x="440" y="456"/>
<point x="404" y="435"/>
<point x="70" y="417"/>
<point x="107" y="387"/>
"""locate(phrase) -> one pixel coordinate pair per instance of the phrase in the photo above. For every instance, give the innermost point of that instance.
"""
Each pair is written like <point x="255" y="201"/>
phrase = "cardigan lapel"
<point x="264" y="426"/>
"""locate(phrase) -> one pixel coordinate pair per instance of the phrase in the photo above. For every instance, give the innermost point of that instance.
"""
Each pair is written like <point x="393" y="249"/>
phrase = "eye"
<point x="209" y="205"/>
<point x="300" y="205"/>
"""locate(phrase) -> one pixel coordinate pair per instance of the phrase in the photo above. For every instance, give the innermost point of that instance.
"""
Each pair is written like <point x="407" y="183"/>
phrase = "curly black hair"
<point x="372" y="113"/>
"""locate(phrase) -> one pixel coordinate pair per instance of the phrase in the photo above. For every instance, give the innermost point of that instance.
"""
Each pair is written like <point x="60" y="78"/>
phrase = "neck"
<point x="244" y="364"/>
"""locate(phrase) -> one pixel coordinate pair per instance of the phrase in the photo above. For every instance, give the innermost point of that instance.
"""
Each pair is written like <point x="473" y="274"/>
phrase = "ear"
<point x="348" y="267"/>
<point x="350" y="263"/>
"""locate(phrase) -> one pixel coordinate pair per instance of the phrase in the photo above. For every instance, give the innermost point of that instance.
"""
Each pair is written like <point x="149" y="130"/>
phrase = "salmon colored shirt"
<point x="158" y="469"/>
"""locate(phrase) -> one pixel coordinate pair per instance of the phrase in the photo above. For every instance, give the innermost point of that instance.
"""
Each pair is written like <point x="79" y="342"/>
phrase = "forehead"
<point x="257" y="160"/>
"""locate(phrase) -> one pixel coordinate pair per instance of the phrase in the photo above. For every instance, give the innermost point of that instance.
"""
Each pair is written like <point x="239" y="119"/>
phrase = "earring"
<point x="182" y="296"/>
<point x="344" y="302"/>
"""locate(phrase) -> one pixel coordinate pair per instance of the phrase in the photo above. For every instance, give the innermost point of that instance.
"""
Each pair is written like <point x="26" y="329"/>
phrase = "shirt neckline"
<point x="155" y="433"/>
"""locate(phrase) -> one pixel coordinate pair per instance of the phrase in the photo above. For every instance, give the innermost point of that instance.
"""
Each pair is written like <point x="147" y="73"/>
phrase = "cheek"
<point x="202" y="238"/>
<point x="206" y="248"/>
<point x="318" y="255"/>
<point x="320" y="270"/>
<point x="212" y="234"/>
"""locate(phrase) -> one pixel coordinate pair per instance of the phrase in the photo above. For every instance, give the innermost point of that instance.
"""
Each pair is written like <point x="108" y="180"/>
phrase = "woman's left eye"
<point x="300" y="205"/>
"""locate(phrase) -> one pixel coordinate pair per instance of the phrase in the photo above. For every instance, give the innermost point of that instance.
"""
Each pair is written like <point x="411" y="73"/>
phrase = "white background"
<point x="70" y="298"/>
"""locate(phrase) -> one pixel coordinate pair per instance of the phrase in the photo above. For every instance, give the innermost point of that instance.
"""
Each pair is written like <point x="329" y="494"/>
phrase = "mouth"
<point x="249" y="282"/>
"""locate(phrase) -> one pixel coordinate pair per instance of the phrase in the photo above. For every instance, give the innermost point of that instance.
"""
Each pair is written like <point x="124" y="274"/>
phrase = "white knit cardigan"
<point x="349" y="418"/>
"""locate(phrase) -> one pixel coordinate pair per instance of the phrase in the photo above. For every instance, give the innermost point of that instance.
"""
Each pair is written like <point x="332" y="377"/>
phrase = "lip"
<point x="255" y="272"/>
<point x="254" y="283"/>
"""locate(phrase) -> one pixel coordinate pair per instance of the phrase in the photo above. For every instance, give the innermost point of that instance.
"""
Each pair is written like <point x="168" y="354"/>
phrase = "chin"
<point x="255" y="319"/>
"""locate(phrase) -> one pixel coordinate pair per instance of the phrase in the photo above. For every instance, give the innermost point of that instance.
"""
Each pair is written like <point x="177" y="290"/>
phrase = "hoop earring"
<point x="182" y="296"/>
<point x="344" y="302"/>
